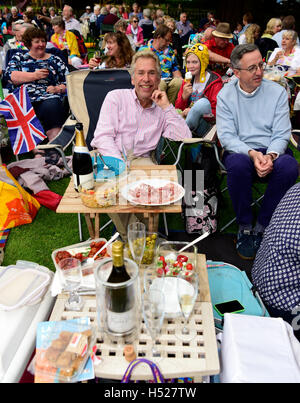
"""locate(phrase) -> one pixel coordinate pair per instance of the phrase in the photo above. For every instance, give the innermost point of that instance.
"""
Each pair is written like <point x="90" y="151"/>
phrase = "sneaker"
<point x="258" y="236"/>
<point x="245" y="245"/>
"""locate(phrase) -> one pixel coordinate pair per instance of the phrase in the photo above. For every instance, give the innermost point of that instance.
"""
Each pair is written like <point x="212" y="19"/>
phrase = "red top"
<point x="211" y="91"/>
<point x="226" y="52"/>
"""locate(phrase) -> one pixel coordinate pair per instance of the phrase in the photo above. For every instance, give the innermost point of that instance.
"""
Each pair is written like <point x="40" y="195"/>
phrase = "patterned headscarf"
<point x="201" y="52"/>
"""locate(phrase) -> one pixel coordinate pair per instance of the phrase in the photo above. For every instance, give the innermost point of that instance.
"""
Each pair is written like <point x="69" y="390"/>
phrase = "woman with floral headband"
<point x="198" y="94"/>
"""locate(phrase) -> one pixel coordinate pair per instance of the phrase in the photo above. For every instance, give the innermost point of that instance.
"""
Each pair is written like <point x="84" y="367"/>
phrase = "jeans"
<point x="194" y="119"/>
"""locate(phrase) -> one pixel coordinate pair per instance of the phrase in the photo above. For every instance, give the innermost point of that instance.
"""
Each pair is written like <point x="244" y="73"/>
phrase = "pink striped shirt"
<point x="122" y="117"/>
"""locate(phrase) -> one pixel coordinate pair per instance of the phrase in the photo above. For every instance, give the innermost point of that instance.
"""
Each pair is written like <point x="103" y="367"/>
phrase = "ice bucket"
<point x="123" y="322"/>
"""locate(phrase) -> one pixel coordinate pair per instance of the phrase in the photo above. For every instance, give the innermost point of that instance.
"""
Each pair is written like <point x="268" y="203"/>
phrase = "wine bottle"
<point x="120" y="301"/>
<point x="83" y="174"/>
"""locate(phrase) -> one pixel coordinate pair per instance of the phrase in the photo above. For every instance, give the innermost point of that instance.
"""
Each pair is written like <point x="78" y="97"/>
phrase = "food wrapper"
<point x="63" y="351"/>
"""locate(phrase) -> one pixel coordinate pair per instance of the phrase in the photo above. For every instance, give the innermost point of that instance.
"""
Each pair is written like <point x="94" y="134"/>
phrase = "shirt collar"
<point x="138" y="101"/>
<point x="248" y="94"/>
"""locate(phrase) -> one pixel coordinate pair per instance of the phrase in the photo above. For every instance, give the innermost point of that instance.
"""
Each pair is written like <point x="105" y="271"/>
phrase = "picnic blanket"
<point x="33" y="173"/>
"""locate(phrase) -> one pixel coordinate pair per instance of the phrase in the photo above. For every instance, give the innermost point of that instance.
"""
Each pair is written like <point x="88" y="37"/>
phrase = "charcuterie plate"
<point x="153" y="192"/>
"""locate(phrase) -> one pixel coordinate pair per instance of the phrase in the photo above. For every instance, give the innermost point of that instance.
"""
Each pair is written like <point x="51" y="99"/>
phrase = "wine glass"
<point x="71" y="276"/>
<point x="136" y="233"/>
<point x="128" y="150"/>
<point x="153" y="278"/>
<point x="97" y="56"/>
<point x="187" y="291"/>
<point x="153" y="305"/>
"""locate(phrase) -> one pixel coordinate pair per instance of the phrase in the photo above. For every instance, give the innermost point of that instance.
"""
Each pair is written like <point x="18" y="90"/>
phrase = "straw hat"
<point x="223" y="31"/>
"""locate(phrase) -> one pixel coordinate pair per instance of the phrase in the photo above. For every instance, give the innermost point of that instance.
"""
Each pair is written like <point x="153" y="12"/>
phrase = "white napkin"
<point x="88" y="283"/>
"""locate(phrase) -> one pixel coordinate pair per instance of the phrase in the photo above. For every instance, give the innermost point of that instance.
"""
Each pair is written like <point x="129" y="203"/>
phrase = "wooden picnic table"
<point x="196" y="358"/>
<point x="71" y="200"/>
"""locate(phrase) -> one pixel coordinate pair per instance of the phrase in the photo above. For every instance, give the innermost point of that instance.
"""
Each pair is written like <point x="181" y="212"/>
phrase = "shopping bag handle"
<point x="157" y="376"/>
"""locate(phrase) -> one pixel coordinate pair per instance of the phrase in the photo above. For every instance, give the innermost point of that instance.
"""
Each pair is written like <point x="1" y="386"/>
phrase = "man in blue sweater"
<point x="254" y="128"/>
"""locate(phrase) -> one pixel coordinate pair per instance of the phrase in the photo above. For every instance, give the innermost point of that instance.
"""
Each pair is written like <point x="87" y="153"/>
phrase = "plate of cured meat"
<point x="153" y="192"/>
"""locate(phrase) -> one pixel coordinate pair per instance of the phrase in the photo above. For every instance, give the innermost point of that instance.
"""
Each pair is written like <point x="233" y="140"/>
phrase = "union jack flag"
<point x="24" y="128"/>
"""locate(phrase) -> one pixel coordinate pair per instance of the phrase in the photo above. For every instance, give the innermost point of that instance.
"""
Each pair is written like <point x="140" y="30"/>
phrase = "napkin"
<point x="88" y="284"/>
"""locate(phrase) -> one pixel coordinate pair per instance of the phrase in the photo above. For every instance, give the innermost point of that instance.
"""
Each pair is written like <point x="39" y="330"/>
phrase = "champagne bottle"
<point x="120" y="301"/>
<point x="83" y="174"/>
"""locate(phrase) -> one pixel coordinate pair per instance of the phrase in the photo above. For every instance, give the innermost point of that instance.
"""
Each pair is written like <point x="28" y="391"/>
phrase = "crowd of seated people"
<point x="252" y="113"/>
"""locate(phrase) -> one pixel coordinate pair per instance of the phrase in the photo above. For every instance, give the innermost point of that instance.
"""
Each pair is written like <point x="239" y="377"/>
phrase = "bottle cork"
<point x="129" y="353"/>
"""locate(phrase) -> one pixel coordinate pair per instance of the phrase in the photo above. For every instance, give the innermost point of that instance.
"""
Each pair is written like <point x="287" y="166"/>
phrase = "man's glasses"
<point x="253" y="69"/>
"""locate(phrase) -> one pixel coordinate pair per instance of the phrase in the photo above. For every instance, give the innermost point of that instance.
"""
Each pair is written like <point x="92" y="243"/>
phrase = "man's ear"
<point x="236" y="72"/>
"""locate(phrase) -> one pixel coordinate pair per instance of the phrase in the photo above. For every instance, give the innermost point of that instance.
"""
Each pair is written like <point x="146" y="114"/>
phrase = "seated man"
<point x="171" y="76"/>
<point x="254" y="128"/>
<point x="276" y="269"/>
<point x="138" y="116"/>
<point x="185" y="28"/>
<point x="219" y="48"/>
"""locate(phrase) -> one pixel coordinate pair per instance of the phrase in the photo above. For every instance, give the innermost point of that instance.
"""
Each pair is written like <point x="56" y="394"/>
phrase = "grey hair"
<point x="147" y="12"/>
<point x="290" y="34"/>
<point x="239" y="51"/>
<point x="146" y="54"/>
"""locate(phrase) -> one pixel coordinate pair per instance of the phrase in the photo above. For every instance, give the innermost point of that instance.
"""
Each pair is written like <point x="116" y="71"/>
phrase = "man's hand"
<point x="262" y="163"/>
<point x="160" y="98"/>
<point x="187" y="91"/>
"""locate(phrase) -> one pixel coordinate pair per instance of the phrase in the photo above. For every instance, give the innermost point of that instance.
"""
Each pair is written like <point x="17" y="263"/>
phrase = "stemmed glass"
<point x="71" y="276"/>
<point x="97" y="56"/>
<point x="153" y="304"/>
<point x="136" y="233"/>
<point x="153" y="278"/>
<point x="128" y="151"/>
<point x="187" y="291"/>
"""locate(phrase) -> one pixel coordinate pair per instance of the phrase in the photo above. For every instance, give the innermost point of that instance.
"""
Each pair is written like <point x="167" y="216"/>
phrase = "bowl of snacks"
<point x="103" y="195"/>
<point x="172" y="261"/>
<point x="150" y="248"/>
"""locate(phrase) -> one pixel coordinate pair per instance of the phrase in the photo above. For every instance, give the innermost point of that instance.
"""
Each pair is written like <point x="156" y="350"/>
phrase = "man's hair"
<point x="146" y="54"/>
<point x="161" y="31"/>
<point x="248" y="17"/>
<point x="239" y="51"/>
<point x="288" y="22"/>
<point x="147" y="12"/>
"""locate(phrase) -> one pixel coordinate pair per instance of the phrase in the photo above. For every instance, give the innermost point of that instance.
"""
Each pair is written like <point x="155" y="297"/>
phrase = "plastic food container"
<point x="150" y="248"/>
<point x="62" y="351"/>
<point x="22" y="284"/>
<point x="103" y="195"/>
<point x="172" y="261"/>
<point x="81" y="251"/>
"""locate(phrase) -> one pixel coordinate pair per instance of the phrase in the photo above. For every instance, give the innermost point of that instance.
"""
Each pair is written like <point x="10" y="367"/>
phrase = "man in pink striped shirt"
<point x="140" y="115"/>
<point x="137" y="118"/>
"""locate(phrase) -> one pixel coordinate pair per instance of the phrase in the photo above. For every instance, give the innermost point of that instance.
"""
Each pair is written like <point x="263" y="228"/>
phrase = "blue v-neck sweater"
<point x="259" y="120"/>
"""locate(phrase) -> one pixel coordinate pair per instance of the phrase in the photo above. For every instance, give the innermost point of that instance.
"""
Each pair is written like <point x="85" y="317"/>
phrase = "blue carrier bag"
<point x="226" y="283"/>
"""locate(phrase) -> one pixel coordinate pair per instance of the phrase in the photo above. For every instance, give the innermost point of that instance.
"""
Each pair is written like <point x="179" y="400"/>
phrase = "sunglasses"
<point x="134" y="21"/>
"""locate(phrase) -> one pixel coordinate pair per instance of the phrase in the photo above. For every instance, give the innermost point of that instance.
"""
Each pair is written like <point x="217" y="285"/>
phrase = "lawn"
<point x="49" y="231"/>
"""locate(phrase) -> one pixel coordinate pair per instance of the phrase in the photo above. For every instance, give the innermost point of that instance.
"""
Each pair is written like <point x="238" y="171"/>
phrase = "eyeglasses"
<point x="253" y="69"/>
<point x="134" y="21"/>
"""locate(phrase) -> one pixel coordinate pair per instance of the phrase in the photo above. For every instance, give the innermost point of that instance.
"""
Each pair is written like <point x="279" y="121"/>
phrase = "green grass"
<point x="49" y="230"/>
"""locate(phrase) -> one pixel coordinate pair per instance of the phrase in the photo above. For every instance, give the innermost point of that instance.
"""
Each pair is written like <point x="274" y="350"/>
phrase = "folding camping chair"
<point x="86" y="92"/>
<point x="211" y="140"/>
